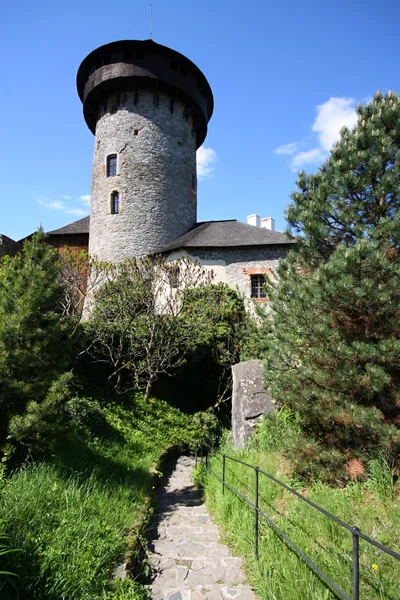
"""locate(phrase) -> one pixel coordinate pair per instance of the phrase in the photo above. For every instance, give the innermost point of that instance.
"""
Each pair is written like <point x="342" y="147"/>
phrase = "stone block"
<point x="250" y="400"/>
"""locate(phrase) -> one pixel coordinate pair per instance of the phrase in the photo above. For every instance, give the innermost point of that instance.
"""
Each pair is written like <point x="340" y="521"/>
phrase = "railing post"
<point x="223" y="474"/>
<point x="256" y="511"/>
<point x="356" y="564"/>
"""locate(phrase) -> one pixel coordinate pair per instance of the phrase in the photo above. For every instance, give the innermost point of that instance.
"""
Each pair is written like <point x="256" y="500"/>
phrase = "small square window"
<point x="111" y="165"/>
<point x="115" y="203"/>
<point x="173" y="276"/>
<point x="257" y="286"/>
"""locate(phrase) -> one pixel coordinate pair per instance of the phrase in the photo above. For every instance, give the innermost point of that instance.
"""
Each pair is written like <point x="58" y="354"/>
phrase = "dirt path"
<point x="188" y="560"/>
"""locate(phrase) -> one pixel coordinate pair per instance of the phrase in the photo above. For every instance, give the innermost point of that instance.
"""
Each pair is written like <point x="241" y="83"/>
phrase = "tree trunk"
<point x="148" y="390"/>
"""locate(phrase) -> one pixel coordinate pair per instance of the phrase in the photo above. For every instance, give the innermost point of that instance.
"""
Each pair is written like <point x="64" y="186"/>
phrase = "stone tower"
<point x="148" y="107"/>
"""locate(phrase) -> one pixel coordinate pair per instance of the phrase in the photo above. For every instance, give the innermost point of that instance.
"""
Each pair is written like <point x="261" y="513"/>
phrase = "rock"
<point x="250" y="400"/>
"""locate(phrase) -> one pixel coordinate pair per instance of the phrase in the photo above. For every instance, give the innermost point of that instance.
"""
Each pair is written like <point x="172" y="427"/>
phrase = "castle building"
<point x="149" y="107"/>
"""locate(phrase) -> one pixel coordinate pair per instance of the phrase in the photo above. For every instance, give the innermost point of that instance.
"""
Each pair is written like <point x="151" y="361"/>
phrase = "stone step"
<point x="188" y="560"/>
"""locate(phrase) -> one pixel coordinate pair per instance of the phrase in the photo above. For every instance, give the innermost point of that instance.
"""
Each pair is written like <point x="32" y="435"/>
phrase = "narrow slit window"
<point x="257" y="286"/>
<point x="115" y="203"/>
<point x="111" y="165"/>
<point x="173" y="276"/>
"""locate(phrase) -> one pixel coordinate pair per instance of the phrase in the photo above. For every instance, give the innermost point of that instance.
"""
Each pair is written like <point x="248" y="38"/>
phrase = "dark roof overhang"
<point x="144" y="64"/>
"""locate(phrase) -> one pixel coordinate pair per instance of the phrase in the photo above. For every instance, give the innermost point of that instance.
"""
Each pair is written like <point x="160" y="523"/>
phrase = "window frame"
<point x="257" y="286"/>
<point x="112" y="167"/>
<point x="115" y="202"/>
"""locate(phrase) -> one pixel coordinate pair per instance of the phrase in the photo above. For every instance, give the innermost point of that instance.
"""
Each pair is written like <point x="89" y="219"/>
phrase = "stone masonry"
<point x="235" y="265"/>
<point x="250" y="400"/>
<point x="156" y="175"/>
<point x="188" y="560"/>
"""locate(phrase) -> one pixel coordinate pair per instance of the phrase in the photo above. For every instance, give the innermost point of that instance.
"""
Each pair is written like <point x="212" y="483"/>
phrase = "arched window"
<point x="111" y="165"/>
<point x="115" y="203"/>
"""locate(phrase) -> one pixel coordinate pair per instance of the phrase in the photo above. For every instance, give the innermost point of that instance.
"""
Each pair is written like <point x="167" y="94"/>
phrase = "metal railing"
<point x="355" y="532"/>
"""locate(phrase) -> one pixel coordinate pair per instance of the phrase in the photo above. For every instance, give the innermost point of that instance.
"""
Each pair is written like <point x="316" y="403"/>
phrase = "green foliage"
<point x="125" y="589"/>
<point x="333" y="349"/>
<point x="202" y="431"/>
<point x="276" y="430"/>
<point x="34" y="338"/>
<point x="356" y="194"/>
<point x="254" y="335"/>
<point x="136" y="324"/>
<point x="8" y="586"/>
<point x="78" y="516"/>
<point x="41" y="426"/>
<point x="42" y="422"/>
<point x="68" y="526"/>
<point x="381" y="479"/>
<point x="215" y="312"/>
<point x="87" y="415"/>
<point x="216" y="315"/>
<point x="280" y="573"/>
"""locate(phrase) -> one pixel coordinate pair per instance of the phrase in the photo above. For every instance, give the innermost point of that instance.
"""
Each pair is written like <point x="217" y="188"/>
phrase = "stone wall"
<point x="250" y="400"/>
<point x="234" y="266"/>
<point x="241" y="263"/>
<point x="156" y="176"/>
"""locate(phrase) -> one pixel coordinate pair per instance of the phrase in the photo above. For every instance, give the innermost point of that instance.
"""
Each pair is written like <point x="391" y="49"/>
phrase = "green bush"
<point x="86" y="414"/>
<point x="42" y="422"/>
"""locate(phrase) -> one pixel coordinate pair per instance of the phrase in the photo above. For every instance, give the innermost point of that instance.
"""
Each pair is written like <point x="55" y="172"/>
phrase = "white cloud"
<point x="76" y="211"/>
<point x="65" y="207"/>
<point x="85" y="199"/>
<point x="67" y="198"/>
<point x="313" y="156"/>
<point x="331" y="117"/>
<point x="56" y="205"/>
<point x="206" y="159"/>
<point x="288" y="148"/>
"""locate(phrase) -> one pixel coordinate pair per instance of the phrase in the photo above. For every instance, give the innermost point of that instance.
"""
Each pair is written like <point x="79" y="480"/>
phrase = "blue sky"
<point x="285" y="76"/>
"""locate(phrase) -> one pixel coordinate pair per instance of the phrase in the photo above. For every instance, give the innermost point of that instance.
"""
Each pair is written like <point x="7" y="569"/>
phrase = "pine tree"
<point x="34" y="340"/>
<point x="334" y="350"/>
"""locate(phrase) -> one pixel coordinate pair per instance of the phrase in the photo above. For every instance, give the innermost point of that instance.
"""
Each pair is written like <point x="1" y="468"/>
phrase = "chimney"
<point x="254" y="220"/>
<point x="267" y="222"/>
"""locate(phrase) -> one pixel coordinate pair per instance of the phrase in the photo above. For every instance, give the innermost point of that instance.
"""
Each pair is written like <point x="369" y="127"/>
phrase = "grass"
<point x="279" y="573"/>
<point x="76" y="517"/>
